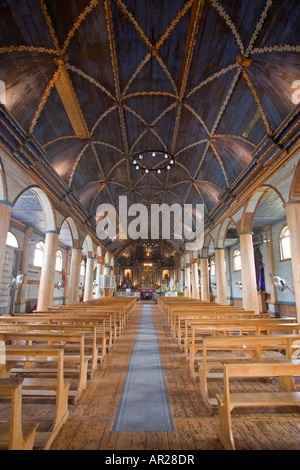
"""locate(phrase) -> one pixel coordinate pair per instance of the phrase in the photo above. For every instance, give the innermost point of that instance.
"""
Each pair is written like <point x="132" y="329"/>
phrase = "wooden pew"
<point x="117" y="315"/>
<point x="228" y="400"/>
<point x="80" y="361"/>
<point x="225" y="347"/>
<point x="208" y="312"/>
<point x="108" y="320"/>
<point x="57" y="388"/>
<point x="90" y="331"/>
<point x="103" y="332"/>
<point x="182" y="332"/>
<point x="225" y="327"/>
<point x="15" y="434"/>
<point x="122" y="307"/>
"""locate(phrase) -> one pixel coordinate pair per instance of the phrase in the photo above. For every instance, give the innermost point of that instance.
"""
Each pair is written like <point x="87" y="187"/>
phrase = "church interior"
<point x="185" y="107"/>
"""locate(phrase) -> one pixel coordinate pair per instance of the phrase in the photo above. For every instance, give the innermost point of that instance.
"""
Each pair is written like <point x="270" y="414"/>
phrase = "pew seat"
<point x="15" y="434"/>
<point x="227" y="401"/>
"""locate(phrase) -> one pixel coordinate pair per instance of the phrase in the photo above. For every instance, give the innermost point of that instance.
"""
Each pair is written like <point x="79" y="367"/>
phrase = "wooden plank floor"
<point x="91" y="418"/>
<point x="90" y="422"/>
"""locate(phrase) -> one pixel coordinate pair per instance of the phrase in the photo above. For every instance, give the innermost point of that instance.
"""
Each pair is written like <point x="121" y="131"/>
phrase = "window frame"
<point x="82" y="266"/>
<point x="213" y="264"/>
<point x="16" y="247"/>
<point x="35" y="250"/>
<point x="283" y="236"/>
<point x="60" y="257"/>
<point x="236" y="254"/>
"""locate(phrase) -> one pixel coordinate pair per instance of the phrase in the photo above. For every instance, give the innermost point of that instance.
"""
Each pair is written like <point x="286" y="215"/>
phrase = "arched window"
<point x="2" y="92"/>
<point x="11" y="240"/>
<point x="58" y="261"/>
<point x="284" y="243"/>
<point x="212" y="268"/>
<point x="237" y="265"/>
<point x="39" y="254"/>
<point x="82" y="268"/>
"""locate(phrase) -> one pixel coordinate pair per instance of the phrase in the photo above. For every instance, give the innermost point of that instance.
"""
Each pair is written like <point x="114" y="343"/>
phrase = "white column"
<point x="195" y="279"/>
<point x="46" y="287"/>
<point x="75" y="275"/>
<point x="98" y="273"/>
<point x="221" y="276"/>
<point x="88" y="284"/>
<point x="188" y="280"/>
<point x="5" y="214"/>
<point x="204" y="279"/>
<point x="250" y="298"/>
<point x="293" y="220"/>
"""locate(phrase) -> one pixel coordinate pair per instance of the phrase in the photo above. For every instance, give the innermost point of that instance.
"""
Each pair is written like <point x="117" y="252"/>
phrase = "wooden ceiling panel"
<point x="50" y="129"/>
<point x="63" y="15"/>
<point x="94" y="101"/>
<point x="95" y="81"/>
<point x="215" y="49"/>
<point x="87" y="169"/>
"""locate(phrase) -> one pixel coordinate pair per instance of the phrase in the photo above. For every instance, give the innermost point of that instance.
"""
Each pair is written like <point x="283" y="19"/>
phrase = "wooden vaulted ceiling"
<point x="95" y="81"/>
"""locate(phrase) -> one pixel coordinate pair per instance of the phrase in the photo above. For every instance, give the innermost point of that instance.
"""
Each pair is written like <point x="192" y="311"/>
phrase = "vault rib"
<point x="185" y="67"/>
<point x="113" y="53"/>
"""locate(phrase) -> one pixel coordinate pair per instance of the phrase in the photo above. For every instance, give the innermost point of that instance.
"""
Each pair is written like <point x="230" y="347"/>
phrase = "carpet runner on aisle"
<point x="144" y="404"/>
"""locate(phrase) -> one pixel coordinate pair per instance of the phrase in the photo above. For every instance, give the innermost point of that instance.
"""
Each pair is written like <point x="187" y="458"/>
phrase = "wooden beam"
<point x="71" y="105"/>
<point x="189" y="46"/>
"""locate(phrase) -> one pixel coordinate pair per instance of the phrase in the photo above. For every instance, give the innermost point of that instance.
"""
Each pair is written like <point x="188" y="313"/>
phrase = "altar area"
<point x="144" y="280"/>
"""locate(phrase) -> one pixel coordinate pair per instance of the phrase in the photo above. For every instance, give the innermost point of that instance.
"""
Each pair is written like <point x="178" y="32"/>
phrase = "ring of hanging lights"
<point x="153" y="160"/>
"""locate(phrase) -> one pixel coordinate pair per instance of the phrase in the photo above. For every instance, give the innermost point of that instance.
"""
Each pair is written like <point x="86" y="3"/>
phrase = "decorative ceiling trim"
<point x="219" y="160"/>
<point x="41" y="50"/>
<point x="76" y="162"/>
<point x="212" y="77"/>
<point x="257" y="100"/>
<point x="259" y="26"/>
<point x="90" y="79"/>
<point x="49" y="25"/>
<point x="45" y="96"/>
<point x="85" y="12"/>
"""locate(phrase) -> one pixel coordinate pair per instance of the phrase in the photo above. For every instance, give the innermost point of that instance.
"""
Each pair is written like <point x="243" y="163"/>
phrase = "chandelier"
<point x="153" y="160"/>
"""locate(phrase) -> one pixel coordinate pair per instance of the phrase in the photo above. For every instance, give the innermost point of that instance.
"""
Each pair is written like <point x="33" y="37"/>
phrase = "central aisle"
<point x="144" y="404"/>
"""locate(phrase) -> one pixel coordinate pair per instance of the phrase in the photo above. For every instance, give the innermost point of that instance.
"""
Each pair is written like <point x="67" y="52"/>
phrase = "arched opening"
<point x="32" y="216"/>
<point x="11" y="240"/>
<point x="265" y="217"/>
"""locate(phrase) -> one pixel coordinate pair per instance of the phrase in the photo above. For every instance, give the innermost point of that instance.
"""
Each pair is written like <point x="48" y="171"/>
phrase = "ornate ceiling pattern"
<point x="97" y="81"/>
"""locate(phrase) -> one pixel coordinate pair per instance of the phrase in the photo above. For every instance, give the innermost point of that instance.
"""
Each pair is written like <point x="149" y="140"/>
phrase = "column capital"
<point x="52" y="231"/>
<point x="290" y="203"/>
<point x="6" y="203"/>
<point x="245" y="233"/>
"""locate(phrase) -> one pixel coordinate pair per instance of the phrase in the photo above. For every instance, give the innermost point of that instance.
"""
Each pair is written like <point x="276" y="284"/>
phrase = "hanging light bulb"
<point x="153" y="154"/>
<point x="134" y="162"/>
<point x="147" y="171"/>
<point x="158" y="171"/>
<point x="137" y="167"/>
<point x="140" y="157"/>
<point x="171" y="162"/>
<point x="168" y="167"/>
<point x="166" y="156"/>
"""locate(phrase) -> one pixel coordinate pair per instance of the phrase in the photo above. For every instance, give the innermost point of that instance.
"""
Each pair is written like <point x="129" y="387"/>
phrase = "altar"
<point x="148" y="295"/>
